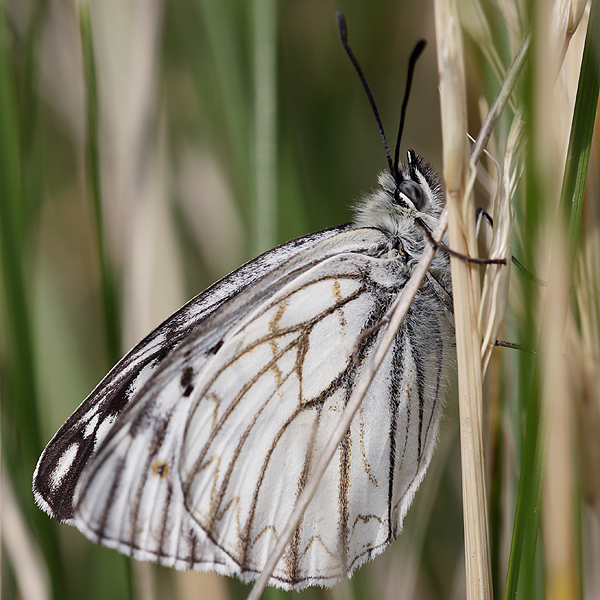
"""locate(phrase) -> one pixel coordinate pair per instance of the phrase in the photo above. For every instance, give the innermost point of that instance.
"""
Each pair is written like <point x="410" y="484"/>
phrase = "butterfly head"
<point x="414" y="191"/>
<point x="416" y="186"/>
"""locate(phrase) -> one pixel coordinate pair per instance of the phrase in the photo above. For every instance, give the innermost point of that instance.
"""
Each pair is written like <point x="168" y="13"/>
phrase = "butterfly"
<point x="192" y="451"/>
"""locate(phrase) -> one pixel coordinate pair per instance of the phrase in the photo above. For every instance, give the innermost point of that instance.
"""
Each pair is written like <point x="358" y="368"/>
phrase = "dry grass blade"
<point x="25" y="558"/>
<point x="567" y="17"/>
<point x="496" y="281"/>
<point x="465" y="284"/>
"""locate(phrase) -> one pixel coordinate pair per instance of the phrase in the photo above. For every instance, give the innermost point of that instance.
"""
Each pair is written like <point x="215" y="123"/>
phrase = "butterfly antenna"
<point x="414" y="57"/>
<point x="341" y="21"/>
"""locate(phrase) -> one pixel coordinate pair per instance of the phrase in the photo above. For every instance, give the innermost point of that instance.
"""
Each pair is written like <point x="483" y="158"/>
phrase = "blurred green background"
<point x="113" y="219"/>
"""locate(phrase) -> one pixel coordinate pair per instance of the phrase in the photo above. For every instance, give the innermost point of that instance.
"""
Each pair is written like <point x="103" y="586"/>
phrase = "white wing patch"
<point x="64" y="464"/>
<point x="91" y="425"/>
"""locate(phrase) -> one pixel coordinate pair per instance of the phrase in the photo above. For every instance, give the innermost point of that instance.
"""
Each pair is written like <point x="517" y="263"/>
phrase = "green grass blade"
<point x="21" y="439"/>
<point x="582" y="129"/>
<point x="109" y="294"/>
<point x="522" y="574"/>
<point x="265" y="124"/>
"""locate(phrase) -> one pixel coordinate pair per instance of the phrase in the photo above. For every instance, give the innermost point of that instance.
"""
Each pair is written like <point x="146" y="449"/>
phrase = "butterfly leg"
<point x="440" y="246"/>
<point x="515" y="346"/>
<point x="480" y="215"/>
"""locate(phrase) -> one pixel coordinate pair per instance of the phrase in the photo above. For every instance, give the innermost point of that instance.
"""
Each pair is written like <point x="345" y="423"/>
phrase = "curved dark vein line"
<point x="343" y="508"/>
<point x="109" y="502"/>
<point x="312" y="404"/>
<point x="165" y="515"/>
<point x="283" y="332"/>
<point x="217" y="428"/>
<point x="292" y="558"/>
<point x="439" y="343"/>
<point x="408" y="343"/>
<point x="366" y="519"/>
<point x="330" y="277"/>
<point x="232" y="463"/>
<point x="418" y="359"/>
<point x="345" y="447"/>
<point x="192" y="542"/>
<point x="419" y="467"/>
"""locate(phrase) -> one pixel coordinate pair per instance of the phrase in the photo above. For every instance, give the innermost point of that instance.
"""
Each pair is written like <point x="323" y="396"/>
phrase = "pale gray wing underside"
<point x="202" y="468"/>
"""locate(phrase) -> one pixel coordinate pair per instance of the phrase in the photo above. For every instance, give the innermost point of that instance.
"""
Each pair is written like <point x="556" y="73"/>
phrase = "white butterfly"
<point x="194" y="448"/>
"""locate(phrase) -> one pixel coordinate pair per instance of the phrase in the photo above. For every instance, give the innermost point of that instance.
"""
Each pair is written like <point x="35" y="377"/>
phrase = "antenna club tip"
<point x="420" y="46"/>
<point x="341" y="23"/>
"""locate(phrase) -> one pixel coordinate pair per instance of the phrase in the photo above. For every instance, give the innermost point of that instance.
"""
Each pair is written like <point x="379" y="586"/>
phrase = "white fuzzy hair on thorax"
<point x="380" y="210"/>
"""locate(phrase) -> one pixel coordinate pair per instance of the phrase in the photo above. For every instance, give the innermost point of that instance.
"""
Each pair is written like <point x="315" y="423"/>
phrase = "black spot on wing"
<point x="187" y="381"/>
<point x="216" y="347"/>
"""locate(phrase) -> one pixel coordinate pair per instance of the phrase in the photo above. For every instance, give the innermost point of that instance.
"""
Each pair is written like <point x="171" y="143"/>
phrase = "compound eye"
<point x="413" y="192"/>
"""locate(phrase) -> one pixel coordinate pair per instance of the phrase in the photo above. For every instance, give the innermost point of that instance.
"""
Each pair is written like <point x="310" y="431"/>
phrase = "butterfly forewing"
<point x="60" y="465"/>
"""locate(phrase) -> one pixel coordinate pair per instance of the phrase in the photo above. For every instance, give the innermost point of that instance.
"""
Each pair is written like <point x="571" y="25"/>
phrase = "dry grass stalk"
<point x="465" y="285"/>
<point x="22" y="551"/>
